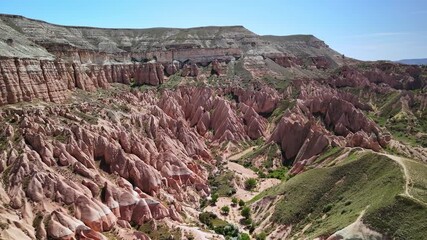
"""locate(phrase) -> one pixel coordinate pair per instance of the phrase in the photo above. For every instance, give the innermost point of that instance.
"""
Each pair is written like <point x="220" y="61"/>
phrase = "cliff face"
<point x="42" y="61"/>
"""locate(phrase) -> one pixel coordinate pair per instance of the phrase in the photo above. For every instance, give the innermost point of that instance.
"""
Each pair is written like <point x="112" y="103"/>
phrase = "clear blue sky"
<point x="364" y="29"/>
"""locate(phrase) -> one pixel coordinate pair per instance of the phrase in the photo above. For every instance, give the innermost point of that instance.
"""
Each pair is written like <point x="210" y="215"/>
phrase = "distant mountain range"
<point x="419" y="61"/>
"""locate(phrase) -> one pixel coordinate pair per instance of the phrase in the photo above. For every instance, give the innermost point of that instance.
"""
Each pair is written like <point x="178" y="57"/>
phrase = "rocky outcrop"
<point x="380" y="77"/>
<point x="324" y="117"/>
<point x="190" y="70"/>
<point x="216" y="68"/>
<point x="26" y="80"/>
<point x="122" y="168"/>
<point x="263" y="100"/>
<point x="285" y="60"/>
<point x="150" y="73"/>
<point x="84" y="154"/>
<point x="321" y="62"/>
<point x="307" y="140"/>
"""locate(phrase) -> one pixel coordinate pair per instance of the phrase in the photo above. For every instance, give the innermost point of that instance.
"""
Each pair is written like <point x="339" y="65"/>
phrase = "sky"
<point x="363" y="29"/>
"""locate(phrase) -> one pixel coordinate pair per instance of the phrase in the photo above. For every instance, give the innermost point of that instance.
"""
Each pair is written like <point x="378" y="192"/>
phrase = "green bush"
<point x="214" y="199"/>
<point x="261" y="236"/>
<point x="244" y="236"/>
<point x="234" y="201"/>
<point x="225" y="210"/>
<point x="246" y="212"/>
<point x="250" y="184"/>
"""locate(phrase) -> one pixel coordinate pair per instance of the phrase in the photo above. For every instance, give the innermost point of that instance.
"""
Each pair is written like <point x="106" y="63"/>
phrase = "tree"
<point x="246" y="212"/>
<point x="225" y="210"/>
<point x="261" y="236"/>
<point x="244" y="236"/>
<point x="241" y="203"/>
<point x="250" y="184"/>
<point x="234" y="201"/>
<point x="247" y="221"/>
<point x="214" y="199"/>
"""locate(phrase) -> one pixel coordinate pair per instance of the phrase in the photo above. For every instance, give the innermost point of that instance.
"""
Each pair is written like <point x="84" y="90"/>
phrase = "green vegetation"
<point x="418" y="173"/>
<point x="91" y="119"/>
<point x="244" y="236"/>
<point x="250" y="184"/>
<point x="330" y="152"/>
<point x="61" y="137"/>
<point x="214" y="199"/>
<point x="332" y="198"/>
<point x="246" y="212"/>
<point x="110" y="235"/>
<point x="408" y="124"/>
<point x="261" y="236"/>
<point x="225" y="210"/>
<point x="219" y="226"/>
<point x="172" y="82"/>
<point x="241" y="203"/>
<point x="282" y="106"/>
<point x="222" y="184"/>
<point x="234" y="201"/>
<point x="279" y="173"/>
<point x="162" y="231"/>
<point x="271" y="154"/>
<point x="277" y="83"/>
<point x="403" y="219"/>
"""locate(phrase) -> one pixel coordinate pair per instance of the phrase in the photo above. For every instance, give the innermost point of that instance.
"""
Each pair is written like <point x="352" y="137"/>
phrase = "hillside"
<point x="180" y="133"/>
<point x="361" y="188"/>
<point x="419" y="61"/>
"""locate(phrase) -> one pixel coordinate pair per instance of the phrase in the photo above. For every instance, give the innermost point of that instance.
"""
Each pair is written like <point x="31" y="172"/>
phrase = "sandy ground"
<point x="242" y="173"/>
<point x="198" y="234"/>
<point x="245" y="173"/>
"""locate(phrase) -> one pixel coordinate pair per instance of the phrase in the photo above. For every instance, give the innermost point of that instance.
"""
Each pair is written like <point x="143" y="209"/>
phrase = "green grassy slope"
<point x="332" y="198"/>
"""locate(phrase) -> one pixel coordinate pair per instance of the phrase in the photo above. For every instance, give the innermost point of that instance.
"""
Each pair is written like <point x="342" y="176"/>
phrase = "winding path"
<point x="400" y="161"/>
<point x="409" y="181"/>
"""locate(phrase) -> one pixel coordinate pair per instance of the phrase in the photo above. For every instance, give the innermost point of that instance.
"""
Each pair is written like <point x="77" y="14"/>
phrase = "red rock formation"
<point x="190" y="70"/>
<point x="150" y="73"/>
<point x="172" y="68"/>
<point x="321" y="62"/>
<point x="216" y="68"/>
<point x="301" y="136"/>
<point x="263" y="100"/>
<point x="285" y="60"/>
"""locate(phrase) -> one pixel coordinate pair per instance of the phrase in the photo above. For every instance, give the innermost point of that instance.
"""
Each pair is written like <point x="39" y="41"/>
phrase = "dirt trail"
<point x="400" y="161"/>
<point x="356" y="230"/>
<point x="409" y="182"/>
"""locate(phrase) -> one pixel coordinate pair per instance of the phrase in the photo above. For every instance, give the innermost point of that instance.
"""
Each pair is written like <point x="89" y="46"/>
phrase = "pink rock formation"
<point x="150" y="73"/>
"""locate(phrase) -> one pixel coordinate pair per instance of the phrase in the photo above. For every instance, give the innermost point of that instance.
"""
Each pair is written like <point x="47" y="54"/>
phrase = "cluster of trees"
<point x="222" y="227"/>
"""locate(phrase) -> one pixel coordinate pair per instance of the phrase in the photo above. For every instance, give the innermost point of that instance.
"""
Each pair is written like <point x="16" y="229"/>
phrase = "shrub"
<point x="327" y="208"/>
<point x="246" y="212"/>
<point x="214" y="199"/>
<point x="244" y="236"/>
<point x="225" y="210"/>
<point x="250" y="184"/>
<point x="234" y="201"/>
<point x="247" y="221"/>
<point x="261" y="236"/>
<point x="206" y="218"/>
<point x="241" y="203"/>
